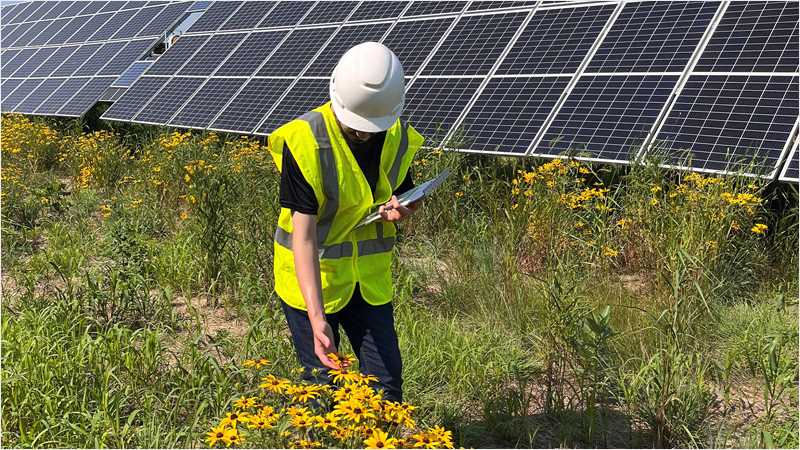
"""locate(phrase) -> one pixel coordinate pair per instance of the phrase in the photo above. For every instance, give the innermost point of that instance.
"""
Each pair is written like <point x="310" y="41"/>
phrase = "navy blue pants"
<point x="371" y="332"/>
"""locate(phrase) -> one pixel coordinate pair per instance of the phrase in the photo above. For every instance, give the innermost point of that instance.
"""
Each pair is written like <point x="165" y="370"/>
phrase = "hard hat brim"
<point x="365" y="124"/>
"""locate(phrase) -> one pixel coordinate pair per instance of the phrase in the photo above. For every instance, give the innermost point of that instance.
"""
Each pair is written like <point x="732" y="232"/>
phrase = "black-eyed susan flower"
<point x="234" y="437"/>
<point x="380" y="439"/>
<point x="297" y="412"/>
<point x="245" y="403"/>
<point x="366" y="379"/>
<point x="301" y="422"/>
<point x="302" y="394"/>
<point x="274" y="384"/>
<point x="234" y="418"/>
<point x="256" y="363"/>
<point x="344" y="375"/>
<point x="329" y="420"/>
<point x="216" y="435"/>
<point x="759" y="228"/>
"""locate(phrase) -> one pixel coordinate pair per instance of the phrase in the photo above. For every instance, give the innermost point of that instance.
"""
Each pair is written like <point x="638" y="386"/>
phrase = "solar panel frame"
<point x="430" y="8"/>
<point x="250" y="106"/>
<point x="132" y="74"/>
<point x="40" y="95"/>
<point x="54" y="61"/>
<point x="132" y="51"/>
<point x="44" y="9"/>
<point x="378" y="10"/>
<point x="198" y="112"/>
<point x="75" y="9"/>
<point x="84" y="33"/>
<point x="22" y="91"/>
<point x="791" y="170"/>
<point x="160" y="109"/>
<point x="177" y="55"/>
<point x="248" y="15"/>
<point x="295" y="53"/>
<point x="440" y="98"/>
<point x="494" y="4"/>
<point x="169" y="17"/>
<point x="342" y="40"/>
<point x="413" y="57"/>
<point x="214" y="17"/>
<point x="100" y="59"/>
<point x="57" y="10"/>
<point x="76" y="60"/>
<point x="94" y="7"/>
<point x="47" y="33"/>
<point x="72" y="27"/>
<point x="241" y="61"/>
<point x="137" y="96"/>
<point x="329" y="12"/>
<point x="17" y="61"/>
<point x="33" y="63"/>
<point x="304" y="95"/>
<point x="212" y="54"/>
<point x="287" y="14"/>
<point x="30" y="34"/>
<point x="138" y="22"/>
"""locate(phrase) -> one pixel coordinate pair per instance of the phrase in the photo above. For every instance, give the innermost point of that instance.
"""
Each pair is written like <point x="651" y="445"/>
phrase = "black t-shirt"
<point x="297" y="195"/>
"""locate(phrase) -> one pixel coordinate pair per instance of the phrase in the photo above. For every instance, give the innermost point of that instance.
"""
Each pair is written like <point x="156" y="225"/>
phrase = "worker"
<point x="339" y="162"/>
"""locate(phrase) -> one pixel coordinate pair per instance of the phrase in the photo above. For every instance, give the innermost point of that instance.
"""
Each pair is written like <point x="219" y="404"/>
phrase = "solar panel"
<point x="56" y="11"/>
<point x="29" y="9"/>
<point x="26" y="87"/>
<point x="791" y="172"/>
<point x="9" y="86"/>
<point x="247" y="109"/>
<point x="607" y="117"/>
<point x="434" y="104"/>
<point x="248" y="16"/>
<point x="728" y="121"/>
<point x="74" y="9"/>
<point x="40" y="94"/>
<point x="32" y="32"/>
<point x="8" y="55"/>
<point x="654" y="37"/>
<point x="54" y="27"/>
<point x="89" y="28"/>
<point x="131" y="52"/>
<point x="211" y="55"/>
<point x="200" y="6"/>
<point x="169" y="100"/>
<point x="426" y="8"/>
<point x="343" y="40"/>
<point x="329" y="12"/>
<point x="242" y="62"/>
<point x="17" y="61"/>
<point x="474" y="45"/>
<point x="214" y="17"/>
<point x="376" y="10"/>
<point x="137" y="23"/>
<point x="132" y="74"/>
<point x="413" y="40"/>
<point x="55" y="60"/>
<point x="177" y="55"/>
<point x="286" y="14"/>
<point x="113" y="25"/>
<point x="509" y="112"/>
<point x="135" y="98"/>
<point x="205" y="104"/>
<point x="77" y="59"/>
<point x="86" y="97"/>
<point x="61" y="96"/>
<point x="43" y="9"/>
<point x="754" y="37"/>
<point x="112" y="6"/>
<point x="99" y="59"/>
<point x="68" y="30"/>
<point x="296" y="51"/>
<point x="168" y="17"/>
<point x="10" y="37"/>
<point x="93" y="7"/>
<point x="33" y="62"/>
<point x="9" y="12"/>
<point x="304" y="96"/>
<point x="484" y="5"/>
<point x="556" y="41"/>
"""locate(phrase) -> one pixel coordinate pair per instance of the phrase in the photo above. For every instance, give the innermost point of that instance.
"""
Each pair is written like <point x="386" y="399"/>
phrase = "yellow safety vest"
<point x="346" y="256"/>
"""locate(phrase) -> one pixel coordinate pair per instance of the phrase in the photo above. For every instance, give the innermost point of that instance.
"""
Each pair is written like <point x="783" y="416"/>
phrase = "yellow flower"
<point x="353" y="411"/>
<point x="655" y="189"/>
<point x="329" y="420"/>
<point x="234" y="437"/>
<point x="298" y="412"/>
<point x="380" y="439"/>
<point x="234" y="418"/>
<point x="459" y="194"/>
<point x="106" y="215"/>
<point x="344" y="375"/>
<point x="245" y="402"/>
<point x="257" y="363"/>
<point x="654" y="202"/>
<point x="301" y="422"/>
<point x="262" y="423"/>
<point x="184" y="216"/>
<point x="215" y="435"/>
<point x="341" y="360"/>
<point x="759" y="228"/>
<point x="302" y="393"/>
<point x="366" y="379"/>
<point x="610" y="252"/>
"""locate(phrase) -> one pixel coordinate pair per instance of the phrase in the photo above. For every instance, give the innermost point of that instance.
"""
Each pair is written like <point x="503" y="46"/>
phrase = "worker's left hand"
<point x="399" y="212"/>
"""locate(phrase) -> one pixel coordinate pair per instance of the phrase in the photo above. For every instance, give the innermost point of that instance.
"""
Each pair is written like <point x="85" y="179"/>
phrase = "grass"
<point x="538" y="303"/>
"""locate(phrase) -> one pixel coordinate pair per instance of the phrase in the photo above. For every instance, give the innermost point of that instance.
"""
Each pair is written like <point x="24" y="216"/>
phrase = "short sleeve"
<point x="296" y="194"/>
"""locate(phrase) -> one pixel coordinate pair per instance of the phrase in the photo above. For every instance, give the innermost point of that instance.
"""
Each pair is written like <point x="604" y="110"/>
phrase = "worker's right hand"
<point x="324" y="343"/>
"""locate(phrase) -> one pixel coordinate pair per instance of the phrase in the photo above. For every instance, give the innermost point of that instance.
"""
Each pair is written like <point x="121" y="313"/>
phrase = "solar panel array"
<point x="711" y="85"/>
<point x="59" y="57"/>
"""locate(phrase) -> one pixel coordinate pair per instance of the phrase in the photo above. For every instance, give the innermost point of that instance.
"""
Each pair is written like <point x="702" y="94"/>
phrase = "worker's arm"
<point x="399" y="212"/>
<point x="306" y="262"/>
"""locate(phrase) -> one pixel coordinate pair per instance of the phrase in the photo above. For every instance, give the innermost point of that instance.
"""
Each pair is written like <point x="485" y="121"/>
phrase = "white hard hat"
<point x="367" y="88"/>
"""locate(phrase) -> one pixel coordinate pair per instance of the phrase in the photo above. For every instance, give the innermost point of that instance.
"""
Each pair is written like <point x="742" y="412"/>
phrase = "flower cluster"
<point x="348" y="414"/>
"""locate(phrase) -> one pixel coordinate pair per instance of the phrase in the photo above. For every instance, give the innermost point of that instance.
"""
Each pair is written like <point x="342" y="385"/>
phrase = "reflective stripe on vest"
<point x="330" y="179"/>
<point x="342" y="249"/>
<point x="394" y="173"/>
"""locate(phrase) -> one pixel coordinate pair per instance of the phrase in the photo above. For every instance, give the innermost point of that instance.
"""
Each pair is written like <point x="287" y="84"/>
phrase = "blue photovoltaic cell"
<point x="200" y="6"/>
<point x="9" y="86"/>
<point x="484" y="5"/>
<point x="74" y="9"/>
<point x="27" y="11"/>
<point x="99" y="59"/>
<point x="35" y="29"/>
<point x="728" y="121"/>
<point x="112" y="6"/>
<point x="242" y="62"/>
<point x="55" y="60"/>
<point x="329" y="12"/>
<point x="17" y="62"/>
<point x="425" y="8"/>
<point x="89" y="28"/>
<point x="607" y="117"/>
<point x="214" y="16"/>
<point x="86" y="97"/>
<point x="287" y="13"/>
<point x="177" y="55"/>
<point x="170" y="15"/>
<point x="433" y="104"/>
<point x="296" y="51"/>
<point x="10" y="37"/>
<point x="248" y="16"/>
<point x="56" y="10"/>
<point x="169" y="100"/>
<point x="93" y="7"/>
<point x="77" y="59"/>
<point x="344" y="39"/>
<point x="509" y="113"/>
<point x="372" y="10"/>
<point x="61" y="96"/>
<point x="206" y="61"/>
<point x="301" y="98"/>
<point x="113" y="25"/>
<point x="33" y="62"/>
<point x="134" y="98"/>
<point x="132" y="51"/>
<point x="754" y="37"/>
<point x="48" y="33"/>
<point x="9" y="11"/>
<point x="132" y="74"/>
<point x="68" y="30"/>
<point x="9" y="102"/>
<point x="137" y="23"/>
<point x="8" y="55"/>
<point x="250" y="105"/>
<point x="556" y="41"/>
<point x="792" y="170"/>
<point x="412" y="41"/>
<point x="41" y="11"/>
<point x="40" y="95"/>
<point x="474" y="45"/>
<point x="5" y="32"/>
<point x="653" y="37"/>
<point x="209" y="100"/>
